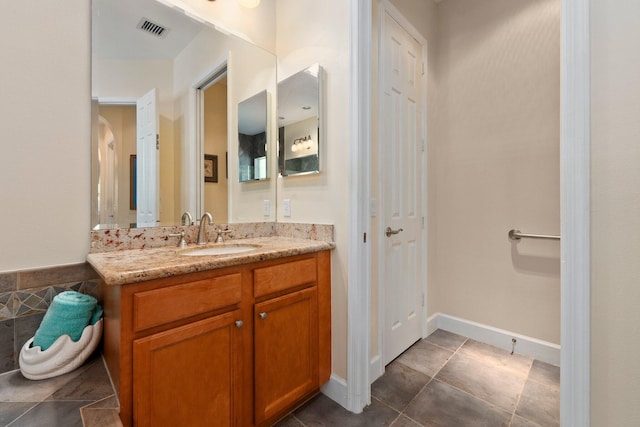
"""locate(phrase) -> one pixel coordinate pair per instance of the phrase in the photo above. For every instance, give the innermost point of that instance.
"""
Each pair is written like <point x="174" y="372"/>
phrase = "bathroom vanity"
<point x="226" y="340"/>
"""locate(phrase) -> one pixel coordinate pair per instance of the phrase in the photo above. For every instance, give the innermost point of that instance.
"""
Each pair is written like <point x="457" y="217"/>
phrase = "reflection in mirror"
<point x="129" y="61"/>
<point x="252" y="138"/>
<point x="214" y="134"/>
<point x="299" y="122"/>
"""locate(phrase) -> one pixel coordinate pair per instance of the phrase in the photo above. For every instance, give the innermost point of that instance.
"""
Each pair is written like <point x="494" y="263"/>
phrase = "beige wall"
<point x="615" y="213"/>
<point x="322" y="198"/>
<point x="216" y="194"/>
<point x="122" y="120"/>
<point x="46" y="138"/>
<point x="495" y="165"/>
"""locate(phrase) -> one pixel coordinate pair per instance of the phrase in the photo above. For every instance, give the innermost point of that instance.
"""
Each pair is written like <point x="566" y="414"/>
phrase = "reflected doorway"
<point x="214" y="145"/>
<point x="117" y="143"/>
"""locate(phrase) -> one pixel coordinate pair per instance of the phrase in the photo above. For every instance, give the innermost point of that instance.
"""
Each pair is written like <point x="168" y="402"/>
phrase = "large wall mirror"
<point x="154" y="126"/>
<point x="299" y="122"/>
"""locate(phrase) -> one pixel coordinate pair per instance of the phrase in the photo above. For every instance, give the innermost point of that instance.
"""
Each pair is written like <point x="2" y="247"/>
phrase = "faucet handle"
<point x="220" y="233"/>
<point x="182" y="243"/>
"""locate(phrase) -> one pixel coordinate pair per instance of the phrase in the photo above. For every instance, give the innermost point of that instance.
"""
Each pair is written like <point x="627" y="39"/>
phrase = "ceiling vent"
<point x="152" y="28"/>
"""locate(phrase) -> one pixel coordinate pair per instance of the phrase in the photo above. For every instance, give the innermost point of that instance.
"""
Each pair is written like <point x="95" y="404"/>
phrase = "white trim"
<point x="195" y="201"/>
<point x="117" y="100"/>
<point x="376" y="368"/>
<point x="575" y="177"/>
<point x="359" y="273"/>
<point x="336" y="389"/>
<point x="542" y="350"/>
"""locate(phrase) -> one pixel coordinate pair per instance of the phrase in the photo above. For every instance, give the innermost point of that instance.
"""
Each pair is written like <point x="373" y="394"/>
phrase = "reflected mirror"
<point x="252" y="138"/>
<point x="149" y="148"/>
<point x="299" y="122"/>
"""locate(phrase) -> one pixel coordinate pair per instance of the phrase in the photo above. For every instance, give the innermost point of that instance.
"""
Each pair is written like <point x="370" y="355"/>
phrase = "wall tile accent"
<point x="27" y="297"/>
<point x="8" y="282"/>
<point x="55" y="275"/>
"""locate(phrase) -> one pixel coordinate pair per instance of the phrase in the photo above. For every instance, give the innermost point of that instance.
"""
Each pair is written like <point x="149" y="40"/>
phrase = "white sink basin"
<point x="219" y="250"/>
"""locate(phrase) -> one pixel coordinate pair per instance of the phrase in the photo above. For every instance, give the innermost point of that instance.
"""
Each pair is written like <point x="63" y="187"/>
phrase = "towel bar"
<point x="517" y="235"/>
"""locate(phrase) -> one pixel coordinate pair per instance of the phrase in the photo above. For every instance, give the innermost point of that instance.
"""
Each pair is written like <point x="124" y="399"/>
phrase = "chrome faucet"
<point x="202" y="233"/>
<point x="187" y="219"/>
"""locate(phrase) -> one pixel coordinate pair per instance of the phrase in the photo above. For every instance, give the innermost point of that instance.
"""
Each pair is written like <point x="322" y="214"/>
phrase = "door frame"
<point x="195" y="202"/>
<point x="377" y="362"/>
<point x="575" y="177"/>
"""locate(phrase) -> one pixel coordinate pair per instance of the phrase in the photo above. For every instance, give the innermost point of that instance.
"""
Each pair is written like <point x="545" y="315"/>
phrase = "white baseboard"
<point x="527" y="346"/>
<point x="336" y="390"/>
<point x="376" y="369"/>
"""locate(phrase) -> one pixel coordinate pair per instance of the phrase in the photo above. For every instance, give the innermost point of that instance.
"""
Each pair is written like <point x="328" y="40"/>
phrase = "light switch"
<point x="286" y="207"/>
<point x="266" y="208"/>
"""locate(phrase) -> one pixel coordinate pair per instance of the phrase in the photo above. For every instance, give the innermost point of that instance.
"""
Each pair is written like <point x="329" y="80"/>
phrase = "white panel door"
<point x="147" y="161"/>
<point x="402" y="154"/>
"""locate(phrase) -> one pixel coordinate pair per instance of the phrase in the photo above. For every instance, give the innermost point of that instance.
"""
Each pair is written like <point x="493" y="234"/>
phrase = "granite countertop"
<point x="137" y="265"/>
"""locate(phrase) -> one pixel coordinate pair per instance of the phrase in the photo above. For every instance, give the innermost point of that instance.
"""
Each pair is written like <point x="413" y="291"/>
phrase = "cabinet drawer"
<point x="159" y="306"/>
<point x="280" y="277"/>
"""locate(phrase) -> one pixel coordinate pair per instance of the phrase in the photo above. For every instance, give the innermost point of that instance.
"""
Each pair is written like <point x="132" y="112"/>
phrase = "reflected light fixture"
<point x="304" y="143"/>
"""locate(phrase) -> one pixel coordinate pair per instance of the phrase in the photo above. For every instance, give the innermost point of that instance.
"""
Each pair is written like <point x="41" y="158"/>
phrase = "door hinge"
<point x="157" y="141"/>
<point x="423" y="300"/>
<point x="423" y="68"/>
<point x="423" y="223"/>
<point x="365" y="237"/>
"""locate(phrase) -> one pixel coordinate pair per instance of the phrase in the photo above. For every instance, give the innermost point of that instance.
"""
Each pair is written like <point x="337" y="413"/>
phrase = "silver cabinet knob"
<point x="263" y="315"/>
<point x="239" y="323"/>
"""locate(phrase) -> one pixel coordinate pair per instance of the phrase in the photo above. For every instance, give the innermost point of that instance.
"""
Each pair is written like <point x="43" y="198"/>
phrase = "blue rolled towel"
<point x="70" y="312"/>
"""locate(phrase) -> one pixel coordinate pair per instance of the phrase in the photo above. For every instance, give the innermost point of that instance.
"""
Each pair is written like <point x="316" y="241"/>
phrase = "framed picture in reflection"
<point x="210" y="168"/>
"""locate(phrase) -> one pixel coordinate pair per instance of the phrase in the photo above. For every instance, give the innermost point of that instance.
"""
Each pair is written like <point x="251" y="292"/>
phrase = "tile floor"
<point x="443" y="380"/>
<point x="82" y="397"/>
<point x="449" y="380"/>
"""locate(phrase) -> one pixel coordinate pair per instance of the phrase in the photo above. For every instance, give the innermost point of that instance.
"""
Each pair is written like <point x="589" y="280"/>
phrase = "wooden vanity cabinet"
<point x="188" y="375"/>
<point x="238" y="346"/>
<point x="285" y="352"/>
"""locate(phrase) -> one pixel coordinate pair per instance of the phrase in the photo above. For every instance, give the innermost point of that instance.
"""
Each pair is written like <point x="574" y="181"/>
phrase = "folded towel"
<point x="70" y="312"/>
<point x="97" y="315"/>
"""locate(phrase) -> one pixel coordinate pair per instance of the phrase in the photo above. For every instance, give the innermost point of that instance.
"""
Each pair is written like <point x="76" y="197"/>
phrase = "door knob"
<point x="263" y="315"/>
<point x="389" y="231"/>
<point x="239" y="323"/>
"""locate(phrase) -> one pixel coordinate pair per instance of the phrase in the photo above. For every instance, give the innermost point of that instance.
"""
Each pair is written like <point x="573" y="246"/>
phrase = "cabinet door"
<point x="190" y="375"/>
<point x="286" y="351"/>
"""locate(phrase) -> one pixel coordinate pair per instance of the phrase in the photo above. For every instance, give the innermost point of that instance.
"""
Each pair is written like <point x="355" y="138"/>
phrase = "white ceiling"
<point x="297" y="91"/>
<point x="115" y="36"/>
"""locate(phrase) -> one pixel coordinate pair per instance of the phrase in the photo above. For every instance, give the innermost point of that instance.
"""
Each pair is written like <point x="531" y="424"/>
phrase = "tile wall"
<point x="25" y="297"/>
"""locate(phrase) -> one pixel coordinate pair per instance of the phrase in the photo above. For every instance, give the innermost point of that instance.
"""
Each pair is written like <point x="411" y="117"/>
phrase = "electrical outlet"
<point x="266" y="208"/>
<point x="286" y="207"/>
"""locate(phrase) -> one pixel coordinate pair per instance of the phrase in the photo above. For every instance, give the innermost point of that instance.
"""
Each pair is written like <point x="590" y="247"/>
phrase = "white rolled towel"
<point x="63" y="356"/>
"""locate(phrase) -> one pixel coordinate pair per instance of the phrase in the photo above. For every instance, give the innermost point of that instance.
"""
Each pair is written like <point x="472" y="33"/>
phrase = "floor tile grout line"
<point x="515" y="408"/>
<point x="493" y="405"/>
<point x="24" y="413"/>
<point x="113" y="386"/>
<point x="93" y="402"/>
<point x="447" y="348"/>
